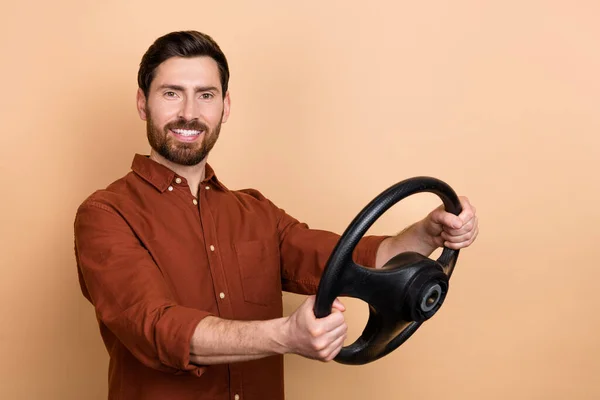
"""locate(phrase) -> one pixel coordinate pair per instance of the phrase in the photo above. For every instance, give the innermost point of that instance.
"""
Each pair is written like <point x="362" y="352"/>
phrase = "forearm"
<point x="414" y="238"/>
<point x="219" y="341"/>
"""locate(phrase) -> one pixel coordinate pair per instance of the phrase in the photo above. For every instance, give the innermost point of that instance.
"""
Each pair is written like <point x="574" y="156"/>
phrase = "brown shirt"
<point x="154" y="261"/>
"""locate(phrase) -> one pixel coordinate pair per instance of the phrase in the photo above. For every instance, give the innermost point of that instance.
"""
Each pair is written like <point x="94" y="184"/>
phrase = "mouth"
<point x="186" y="135"/>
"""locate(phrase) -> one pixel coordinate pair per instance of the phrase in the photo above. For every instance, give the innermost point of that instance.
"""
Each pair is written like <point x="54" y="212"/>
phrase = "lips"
<point x="186" y="135"/>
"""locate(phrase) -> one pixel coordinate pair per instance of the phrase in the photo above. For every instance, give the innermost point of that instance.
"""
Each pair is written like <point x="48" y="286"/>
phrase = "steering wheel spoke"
<point x="382" y="334"/>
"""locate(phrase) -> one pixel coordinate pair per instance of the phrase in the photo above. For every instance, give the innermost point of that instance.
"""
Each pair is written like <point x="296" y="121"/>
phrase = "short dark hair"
<point x="181" y="44"/>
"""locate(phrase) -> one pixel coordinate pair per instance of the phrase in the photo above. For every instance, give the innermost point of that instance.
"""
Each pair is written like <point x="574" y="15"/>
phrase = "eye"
<point x="206" y="96"/>
<point x="170" y="94"/>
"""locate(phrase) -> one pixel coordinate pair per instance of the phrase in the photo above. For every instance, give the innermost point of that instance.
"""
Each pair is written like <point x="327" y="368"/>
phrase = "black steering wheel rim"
<point x="383" y="337"/>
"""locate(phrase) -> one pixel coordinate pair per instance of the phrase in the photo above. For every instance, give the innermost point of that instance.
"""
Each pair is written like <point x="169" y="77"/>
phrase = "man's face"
<point x="184" y="109"/>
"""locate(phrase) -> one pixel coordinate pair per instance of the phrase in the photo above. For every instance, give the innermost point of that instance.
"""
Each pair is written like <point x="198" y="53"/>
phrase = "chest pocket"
<point x="259" y="265"/>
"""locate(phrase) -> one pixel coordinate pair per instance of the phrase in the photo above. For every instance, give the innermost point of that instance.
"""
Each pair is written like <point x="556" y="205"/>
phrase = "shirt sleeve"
<point x="305" y="251"/>
<point x="131" y="298"/>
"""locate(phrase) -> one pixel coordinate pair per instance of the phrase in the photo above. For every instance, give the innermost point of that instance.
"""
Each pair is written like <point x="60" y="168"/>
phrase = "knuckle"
<point x="314" y="331"/>
<point x="318" y="345"/>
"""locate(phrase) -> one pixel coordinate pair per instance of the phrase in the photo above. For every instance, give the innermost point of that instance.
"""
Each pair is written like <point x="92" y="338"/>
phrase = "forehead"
<point x="195" y="71"/>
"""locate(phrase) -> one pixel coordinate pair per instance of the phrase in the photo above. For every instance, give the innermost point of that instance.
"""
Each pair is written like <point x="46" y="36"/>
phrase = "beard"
<point x="179" y="152"/>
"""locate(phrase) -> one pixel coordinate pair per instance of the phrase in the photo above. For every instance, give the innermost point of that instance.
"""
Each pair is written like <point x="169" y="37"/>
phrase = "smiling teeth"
<point x="186" y="132"/>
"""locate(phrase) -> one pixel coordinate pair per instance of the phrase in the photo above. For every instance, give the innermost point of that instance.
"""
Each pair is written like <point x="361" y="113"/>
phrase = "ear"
<point x="141" y="104"/>
<point x="226" y="107"/>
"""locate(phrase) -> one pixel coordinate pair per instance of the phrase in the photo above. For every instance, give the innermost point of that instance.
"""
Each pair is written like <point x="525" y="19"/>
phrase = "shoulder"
<point x="111" y="197"/>
<point x="254" y="201"/>
<point x="253" y="196"/>
<point x="249" y="194"/>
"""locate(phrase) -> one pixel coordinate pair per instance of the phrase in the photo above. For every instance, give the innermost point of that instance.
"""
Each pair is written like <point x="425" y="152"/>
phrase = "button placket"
<point x="212" y="249"/>
<point x="214" y="259"/>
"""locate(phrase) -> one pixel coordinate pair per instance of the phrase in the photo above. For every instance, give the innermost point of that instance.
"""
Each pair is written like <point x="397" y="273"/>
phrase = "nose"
<point x="189" y="109"/>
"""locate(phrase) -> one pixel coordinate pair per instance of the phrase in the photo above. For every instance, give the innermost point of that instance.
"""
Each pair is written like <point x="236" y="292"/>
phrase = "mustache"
<point x="193" y="124"/>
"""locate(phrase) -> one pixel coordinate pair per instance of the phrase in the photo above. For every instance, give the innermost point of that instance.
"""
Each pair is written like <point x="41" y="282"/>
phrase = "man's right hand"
<point x="312" y="337"/>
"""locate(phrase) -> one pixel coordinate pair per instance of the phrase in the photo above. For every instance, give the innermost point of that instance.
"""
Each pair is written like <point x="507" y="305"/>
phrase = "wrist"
<point x="422" y="236"/>
<point x="414" y="238"/>
<point x="426" y="242"/>
<point x="280" y="335"/>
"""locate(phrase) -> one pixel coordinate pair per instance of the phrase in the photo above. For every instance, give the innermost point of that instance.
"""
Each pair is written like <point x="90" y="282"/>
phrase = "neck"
<point x="194" y="174"/>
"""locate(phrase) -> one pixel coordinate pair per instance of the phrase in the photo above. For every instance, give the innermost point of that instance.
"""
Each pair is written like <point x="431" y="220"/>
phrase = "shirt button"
<point x="212" y="248"/>
<point x="195" y="202"/>
<point x="170" y="188"/>
<point x="177" y="180"/>
<point x="236" y="397"/>
<point x="208" y="188"/>
<point x="222" y="295"/>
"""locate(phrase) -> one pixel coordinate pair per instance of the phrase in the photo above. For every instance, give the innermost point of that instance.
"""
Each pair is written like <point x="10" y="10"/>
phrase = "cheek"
<point x="215" y="115"/>
<point x="162" y="115"/>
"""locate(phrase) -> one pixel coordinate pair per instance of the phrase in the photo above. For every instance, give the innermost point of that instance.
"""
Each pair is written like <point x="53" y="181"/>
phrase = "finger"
<point x="334" y="349"/>
<point x="336" y="332"/>
<point x="466" y="215"/>
<point x="336" y="307"/>
<point x="468" y="211"/>
<point x="456" y="238"/>
<point x="334" y="339"/>
<point x="465" y="202"/>
<point x="441" y="217"/>
<point x="467" y="227"/>
<point x="337" y="304"/>
<point x="332" y="321"/>
<point x="460" y="245"/>
<point x="322" y="343"/>
<point x="462" y="240"/>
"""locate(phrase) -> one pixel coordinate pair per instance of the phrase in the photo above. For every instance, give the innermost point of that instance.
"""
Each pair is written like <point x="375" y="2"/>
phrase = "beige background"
<point x="342" y="99"/>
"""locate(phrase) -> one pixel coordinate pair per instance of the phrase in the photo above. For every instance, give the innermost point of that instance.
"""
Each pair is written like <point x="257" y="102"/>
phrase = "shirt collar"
<point x="162" y="177"/>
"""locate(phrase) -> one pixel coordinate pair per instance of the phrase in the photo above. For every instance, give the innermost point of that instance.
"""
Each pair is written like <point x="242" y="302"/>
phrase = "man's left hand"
<point x="452" y="231"/>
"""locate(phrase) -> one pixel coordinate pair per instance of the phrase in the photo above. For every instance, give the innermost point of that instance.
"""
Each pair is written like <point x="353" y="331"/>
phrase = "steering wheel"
<point x="408" y="290"/>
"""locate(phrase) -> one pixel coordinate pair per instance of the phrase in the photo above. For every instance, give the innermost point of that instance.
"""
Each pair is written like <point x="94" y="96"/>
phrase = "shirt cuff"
<point x="174" y="334"/>
<point x="365" y="253"/>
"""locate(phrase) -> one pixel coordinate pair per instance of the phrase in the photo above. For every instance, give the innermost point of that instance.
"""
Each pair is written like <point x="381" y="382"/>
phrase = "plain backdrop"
<point x="332" y="102"/>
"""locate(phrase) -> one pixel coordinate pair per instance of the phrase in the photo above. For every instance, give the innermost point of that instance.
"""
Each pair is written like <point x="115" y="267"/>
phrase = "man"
<point x="186" y="275"/>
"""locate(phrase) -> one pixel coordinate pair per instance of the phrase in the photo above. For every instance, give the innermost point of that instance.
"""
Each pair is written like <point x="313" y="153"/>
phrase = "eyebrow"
<point x="197" y="89"/>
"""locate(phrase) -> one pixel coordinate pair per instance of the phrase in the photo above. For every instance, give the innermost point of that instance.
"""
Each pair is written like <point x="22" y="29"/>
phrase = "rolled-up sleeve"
<point x="128" y="291"/>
